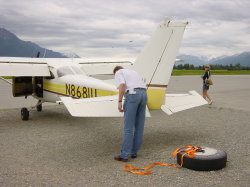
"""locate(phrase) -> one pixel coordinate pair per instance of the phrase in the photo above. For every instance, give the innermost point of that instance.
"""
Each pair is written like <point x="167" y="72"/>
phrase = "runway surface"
<point x="56" y="149"/>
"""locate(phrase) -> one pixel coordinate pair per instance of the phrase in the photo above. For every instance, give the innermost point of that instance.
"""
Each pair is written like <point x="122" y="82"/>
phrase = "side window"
<point x="77" y="70"/>
<point x="65" y="70"/>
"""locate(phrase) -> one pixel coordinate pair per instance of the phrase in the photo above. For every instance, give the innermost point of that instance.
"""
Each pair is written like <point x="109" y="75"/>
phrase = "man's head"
<point x="117" y="68"/>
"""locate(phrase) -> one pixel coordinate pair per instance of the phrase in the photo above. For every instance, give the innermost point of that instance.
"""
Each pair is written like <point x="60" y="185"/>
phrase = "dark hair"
<point x="117" y="68"/>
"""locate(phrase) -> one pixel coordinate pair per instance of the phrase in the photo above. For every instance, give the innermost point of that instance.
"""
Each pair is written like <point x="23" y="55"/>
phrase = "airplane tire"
<point x="210" y="159"/>
<point x="24" y="114"/>
<point x="39" y="108"/>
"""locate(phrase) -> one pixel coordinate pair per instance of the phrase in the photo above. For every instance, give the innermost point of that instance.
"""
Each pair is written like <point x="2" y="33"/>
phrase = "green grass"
<point x="213" y="72"/>
<point x="7" y="77"/>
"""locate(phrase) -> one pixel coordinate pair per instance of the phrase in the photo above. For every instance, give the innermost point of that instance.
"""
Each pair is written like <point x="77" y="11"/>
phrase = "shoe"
<point x="133" y="155"/>
<point x="210" y="102"/>
<point x="118" y="158"/>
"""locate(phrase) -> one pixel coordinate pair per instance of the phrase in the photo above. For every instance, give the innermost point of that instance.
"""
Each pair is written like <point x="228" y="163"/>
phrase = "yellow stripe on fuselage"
<point x="54" y="85"/>
<point x="59" y="88"/>
<point x="105" y="93"/>
<point x="76" y="91"/>
<point x="156" y="96"/>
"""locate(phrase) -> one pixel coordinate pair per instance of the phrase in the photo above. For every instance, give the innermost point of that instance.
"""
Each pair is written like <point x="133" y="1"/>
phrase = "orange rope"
<point x="190" y="152"/>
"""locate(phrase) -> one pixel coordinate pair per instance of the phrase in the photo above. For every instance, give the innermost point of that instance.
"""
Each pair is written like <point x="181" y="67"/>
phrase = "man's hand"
<point x="120" y="107"/>
<point x="122" y="88"/>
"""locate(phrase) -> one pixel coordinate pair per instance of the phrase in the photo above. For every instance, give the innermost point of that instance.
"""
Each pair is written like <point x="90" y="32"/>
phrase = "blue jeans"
<point x="205" y="87"/>
<point x="134" y="118"/>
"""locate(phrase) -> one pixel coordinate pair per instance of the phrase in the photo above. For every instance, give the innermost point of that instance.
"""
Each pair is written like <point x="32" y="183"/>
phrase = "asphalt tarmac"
<point x="56" y="149"/>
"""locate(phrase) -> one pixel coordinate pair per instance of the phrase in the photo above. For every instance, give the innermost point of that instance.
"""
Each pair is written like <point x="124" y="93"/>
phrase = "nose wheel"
<point x="25" y="114"/>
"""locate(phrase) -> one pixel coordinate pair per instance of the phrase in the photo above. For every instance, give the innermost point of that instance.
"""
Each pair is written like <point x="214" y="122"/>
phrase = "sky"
<point x="119" y="28"/>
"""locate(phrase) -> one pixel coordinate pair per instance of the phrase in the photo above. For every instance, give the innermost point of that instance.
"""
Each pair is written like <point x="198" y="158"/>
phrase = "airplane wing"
<point x="23" y="67"/>
<point x="94" y="107"/>
<point x="103" y="66"/>
<point x="178" y="102"/>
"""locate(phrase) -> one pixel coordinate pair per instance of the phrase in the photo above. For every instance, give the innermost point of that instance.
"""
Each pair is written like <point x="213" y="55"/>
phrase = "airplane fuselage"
<point x="68" y="79"/>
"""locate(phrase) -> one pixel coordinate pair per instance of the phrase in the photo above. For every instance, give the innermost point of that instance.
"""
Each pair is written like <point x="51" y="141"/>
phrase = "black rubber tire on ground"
<point x="39" y="108"/>
<point x="24" y="114"/>
<point x="210" y="159"/>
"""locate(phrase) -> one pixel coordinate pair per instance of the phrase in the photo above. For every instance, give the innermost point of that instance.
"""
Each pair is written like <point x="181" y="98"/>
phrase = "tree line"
<point x="213" y="67"/>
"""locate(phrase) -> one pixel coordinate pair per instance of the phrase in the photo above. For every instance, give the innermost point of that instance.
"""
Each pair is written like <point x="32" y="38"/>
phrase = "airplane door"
<point x="25" y="86"/>
<point x="22" y="86"/>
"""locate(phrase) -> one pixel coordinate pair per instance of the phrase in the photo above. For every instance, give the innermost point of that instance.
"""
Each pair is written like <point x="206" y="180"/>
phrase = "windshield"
<point x="77" y="70"/>
<point x="65" y="70"/>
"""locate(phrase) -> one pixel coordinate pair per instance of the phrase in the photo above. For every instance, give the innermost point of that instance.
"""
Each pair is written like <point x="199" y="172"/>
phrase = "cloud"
<point x="94" y="28"/>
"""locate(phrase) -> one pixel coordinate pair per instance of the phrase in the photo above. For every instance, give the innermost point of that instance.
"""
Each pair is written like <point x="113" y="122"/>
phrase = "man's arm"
<point x="122" y="89"/>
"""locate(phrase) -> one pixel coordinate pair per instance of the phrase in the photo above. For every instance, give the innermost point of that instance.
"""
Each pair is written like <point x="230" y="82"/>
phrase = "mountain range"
<point x="11" y="45"/>
<point x="243" y="59"/>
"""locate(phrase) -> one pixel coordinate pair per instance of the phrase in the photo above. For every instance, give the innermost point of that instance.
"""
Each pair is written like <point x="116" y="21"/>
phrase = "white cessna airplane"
<point x="86" y="86"/>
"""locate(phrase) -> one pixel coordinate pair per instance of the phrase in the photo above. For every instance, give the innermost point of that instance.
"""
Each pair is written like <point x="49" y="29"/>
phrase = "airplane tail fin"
<point x="156" y="61"/>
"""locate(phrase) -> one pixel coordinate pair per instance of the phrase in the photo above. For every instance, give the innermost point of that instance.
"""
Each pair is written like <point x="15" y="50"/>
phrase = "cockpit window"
<point x="65" y="70"/>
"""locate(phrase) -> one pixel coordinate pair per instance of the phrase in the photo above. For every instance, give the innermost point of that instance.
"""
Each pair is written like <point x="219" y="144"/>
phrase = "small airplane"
<point x="86" y="85"/>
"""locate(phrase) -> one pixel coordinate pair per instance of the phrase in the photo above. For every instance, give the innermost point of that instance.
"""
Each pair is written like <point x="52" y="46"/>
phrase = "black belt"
<point x="137" y="89"/>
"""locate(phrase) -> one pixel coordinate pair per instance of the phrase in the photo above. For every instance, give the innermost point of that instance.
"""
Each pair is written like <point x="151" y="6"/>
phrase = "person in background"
<point x="132" y="87"/>
<point x="205" y="87"/>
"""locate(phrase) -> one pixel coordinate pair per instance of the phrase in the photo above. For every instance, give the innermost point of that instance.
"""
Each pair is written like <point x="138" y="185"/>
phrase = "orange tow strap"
<point x="190" y="152"/>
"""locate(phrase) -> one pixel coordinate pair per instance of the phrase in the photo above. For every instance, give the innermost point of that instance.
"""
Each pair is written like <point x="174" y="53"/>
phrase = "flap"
<point x="94" y="107"/>
<point x="17" y="69"/>
<point x="178" y="102"/>
<point x="106" y="60"/>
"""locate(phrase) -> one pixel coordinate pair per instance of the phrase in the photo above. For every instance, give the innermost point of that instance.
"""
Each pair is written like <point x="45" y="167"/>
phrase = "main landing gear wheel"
<point x="39" y="108"/>
<point x="206" y="160"/>
<point x="24" y="114"/>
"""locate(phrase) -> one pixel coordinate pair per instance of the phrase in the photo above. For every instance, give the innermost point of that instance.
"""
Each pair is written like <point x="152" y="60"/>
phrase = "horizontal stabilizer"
<point x="178" y="102"/>
<point x="94" y="107"/>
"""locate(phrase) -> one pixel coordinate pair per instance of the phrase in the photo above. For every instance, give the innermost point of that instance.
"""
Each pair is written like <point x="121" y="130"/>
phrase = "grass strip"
<point x="213" y="72"/>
